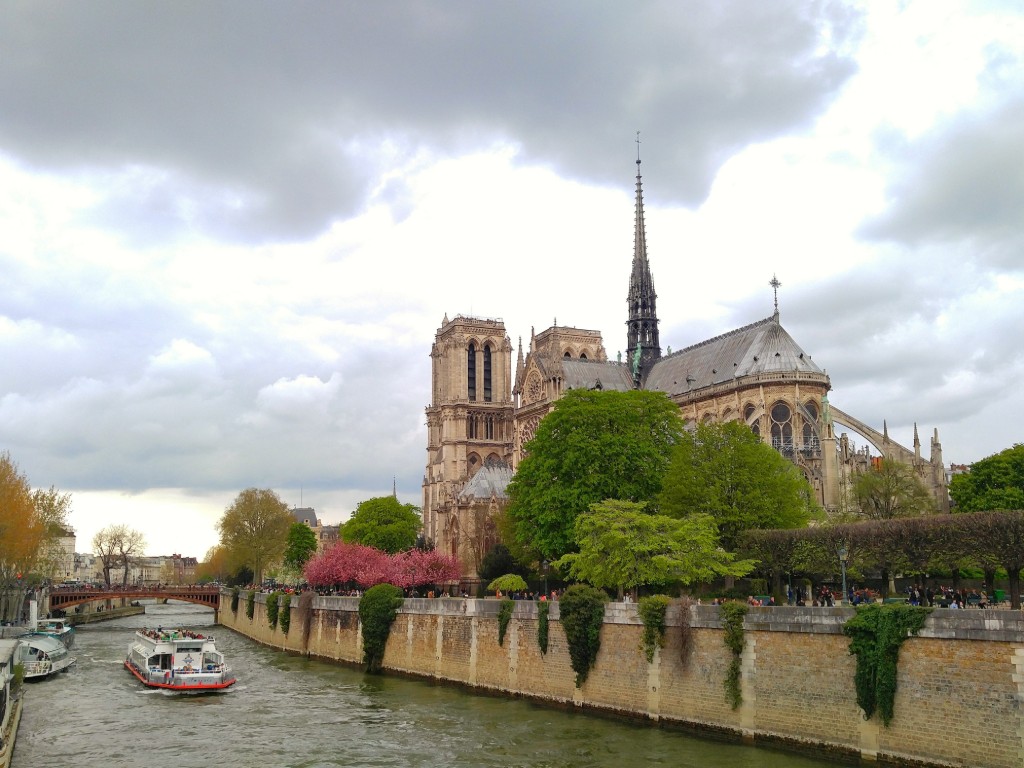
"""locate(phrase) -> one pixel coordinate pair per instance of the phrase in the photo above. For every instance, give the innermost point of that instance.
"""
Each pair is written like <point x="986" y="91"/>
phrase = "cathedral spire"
<point x="642" y="327"/>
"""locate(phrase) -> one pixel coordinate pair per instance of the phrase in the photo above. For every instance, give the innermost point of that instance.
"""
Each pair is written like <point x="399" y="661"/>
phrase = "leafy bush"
<point x="234" y="600"/>
<point x="250" y="604"/>
<point x="732" y="623"/>
<point x="652" y="612"/>
<point x="284" y="613"/>
<point x="504" y="617"/>
<point x="19" y="677"/>
<point x="272" y="599"/>
<point x="876" y="633"/>
<point x="377" y="610"/>
<point x="542" y="625"/>
<point x="582" y="611"/>
<point x="510" y="582"/>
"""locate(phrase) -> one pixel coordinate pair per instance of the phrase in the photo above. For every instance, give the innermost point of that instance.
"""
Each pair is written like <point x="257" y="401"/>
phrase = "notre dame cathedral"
<point x="482" y="414"/>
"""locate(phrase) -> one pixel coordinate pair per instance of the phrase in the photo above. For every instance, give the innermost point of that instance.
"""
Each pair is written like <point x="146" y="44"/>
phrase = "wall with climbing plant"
<point x="797" y="673"/>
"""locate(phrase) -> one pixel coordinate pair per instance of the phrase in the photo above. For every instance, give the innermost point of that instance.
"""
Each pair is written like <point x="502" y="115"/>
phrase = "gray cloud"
<point x="260" y="121"/>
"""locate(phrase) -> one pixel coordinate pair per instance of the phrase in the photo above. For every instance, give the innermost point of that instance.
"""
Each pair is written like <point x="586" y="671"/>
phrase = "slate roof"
<point x="758" y="348"/>
<point x="491" y="479"/>
<point x="587" y="374"/>
<point x="305" y="515"/>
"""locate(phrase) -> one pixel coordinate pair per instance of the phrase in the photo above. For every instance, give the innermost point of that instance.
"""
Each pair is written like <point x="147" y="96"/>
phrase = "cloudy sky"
<point x="229" y="231"/>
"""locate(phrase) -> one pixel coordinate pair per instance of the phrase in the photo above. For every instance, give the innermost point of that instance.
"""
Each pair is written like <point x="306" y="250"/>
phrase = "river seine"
<point x="290" y="712"/>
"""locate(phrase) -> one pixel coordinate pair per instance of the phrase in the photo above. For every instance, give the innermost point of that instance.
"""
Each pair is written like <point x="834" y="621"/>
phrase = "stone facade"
<point x="957" y="702"/>
<point x="757" y="374"/>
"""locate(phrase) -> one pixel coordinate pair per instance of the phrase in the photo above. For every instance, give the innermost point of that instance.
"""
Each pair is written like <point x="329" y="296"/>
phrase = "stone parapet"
<point x="958" y="698"/>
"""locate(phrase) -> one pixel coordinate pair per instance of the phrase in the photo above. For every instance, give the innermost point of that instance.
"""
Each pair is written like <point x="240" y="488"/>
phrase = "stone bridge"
<point x="64" y="598"/>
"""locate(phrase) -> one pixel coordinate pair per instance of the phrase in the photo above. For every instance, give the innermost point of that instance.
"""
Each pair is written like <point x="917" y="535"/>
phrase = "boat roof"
<point x="42" y="642"/>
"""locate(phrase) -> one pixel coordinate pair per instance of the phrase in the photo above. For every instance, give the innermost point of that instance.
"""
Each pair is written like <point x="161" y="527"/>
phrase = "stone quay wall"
<point x="958" y="702"/>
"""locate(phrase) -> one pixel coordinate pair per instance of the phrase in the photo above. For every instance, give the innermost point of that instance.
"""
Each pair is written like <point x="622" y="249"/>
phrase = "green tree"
<point x="995" y="482"/>
<point x="499" y="561"/>
<point x="52" y="509"/>
<point x="301" y="546"/>
<point x="593" y="446"/>
<point x="724" y="470"/>
<point x="622" y="547"/>
<point x="254" y="530"/>
<point x="383" y="523"/>
<point x="891" y="489"/>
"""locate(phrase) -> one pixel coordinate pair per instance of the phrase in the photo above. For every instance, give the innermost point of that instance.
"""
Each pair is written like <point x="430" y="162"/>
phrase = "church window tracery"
<point x="782" y="428"/>
<point x="471" y="371"/>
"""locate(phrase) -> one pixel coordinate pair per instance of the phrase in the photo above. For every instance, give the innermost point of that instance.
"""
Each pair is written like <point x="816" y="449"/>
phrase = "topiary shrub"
<point x="876" y="633"/>
<point x="652" y="613"/>
<point x="732" y="622"/>
<point x="272" y="599"/>
<point x="250" y="604"/>
<point x="582" y="611"/>
<point x="504" y="617"/>
<point x="542" y="625"/>
<point x="284" y="613"/>
<point x="234" y="600"/>
<point x="377" y="610"/>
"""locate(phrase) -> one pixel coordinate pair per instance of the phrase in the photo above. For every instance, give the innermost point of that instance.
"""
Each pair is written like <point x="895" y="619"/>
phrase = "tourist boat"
<point x="43" y="656"/>
<point x="56" y="628"/>
<point x="178" y="660"/>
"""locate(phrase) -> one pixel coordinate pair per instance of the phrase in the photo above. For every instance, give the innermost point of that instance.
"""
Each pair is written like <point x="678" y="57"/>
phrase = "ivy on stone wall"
<point x="284" y="613"/>
<point x="876" y="633"/>
<point x="582" y="611"/>
<point x="272" y="599"/>
<point x="377" y="610"/>
<point x="685" y="629"/>
<point x="305" y="614"/>
<point x="234" y="600"/>
<point x="250" y="604"/>
<point x="652" y="613"/>
<point x="542" y="625"/>
<point x="732" y="622"/>
<point x="504" y="617"/>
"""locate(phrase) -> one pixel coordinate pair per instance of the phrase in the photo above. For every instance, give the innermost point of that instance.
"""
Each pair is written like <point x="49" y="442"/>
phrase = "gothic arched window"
<point x="782" y="427"/>
<point x="487" y="373"/>
<point x="748" y="414"/>
<point x="471" y="371"/>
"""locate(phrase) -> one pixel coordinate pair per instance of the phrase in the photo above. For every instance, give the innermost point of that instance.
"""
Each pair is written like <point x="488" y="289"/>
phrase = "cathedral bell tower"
<point x="643" y="346"/>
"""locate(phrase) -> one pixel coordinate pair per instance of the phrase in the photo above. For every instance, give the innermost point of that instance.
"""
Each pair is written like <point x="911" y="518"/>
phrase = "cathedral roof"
<point x="761" y="347"/>
<point x="491" y="480"/>
<point x="591" y="374"/>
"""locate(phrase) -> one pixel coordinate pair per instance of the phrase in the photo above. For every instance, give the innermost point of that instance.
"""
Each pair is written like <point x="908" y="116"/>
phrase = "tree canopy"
<point x="301" y="546"/>
<point x="594" y="445"/>
<point x="350" y="564"/>
<point x="115" y="546"/>
<point x="621" y="547"/>
<point x="254" y="530"/>
<point x="22" y="531"/>
<point x="383" y="523"/>
<point x="891" y="489"/>
<point x="995" y="482"/>
<point x="724" y="470"/>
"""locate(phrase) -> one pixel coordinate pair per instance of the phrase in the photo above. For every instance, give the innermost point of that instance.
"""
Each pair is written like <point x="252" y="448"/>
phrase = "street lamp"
<point x="843" y="554"/>
<point x="544" y="570"/>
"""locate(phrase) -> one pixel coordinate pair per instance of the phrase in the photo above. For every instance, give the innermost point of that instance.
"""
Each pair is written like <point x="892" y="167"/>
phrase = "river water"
<point x="289" y="712"/>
